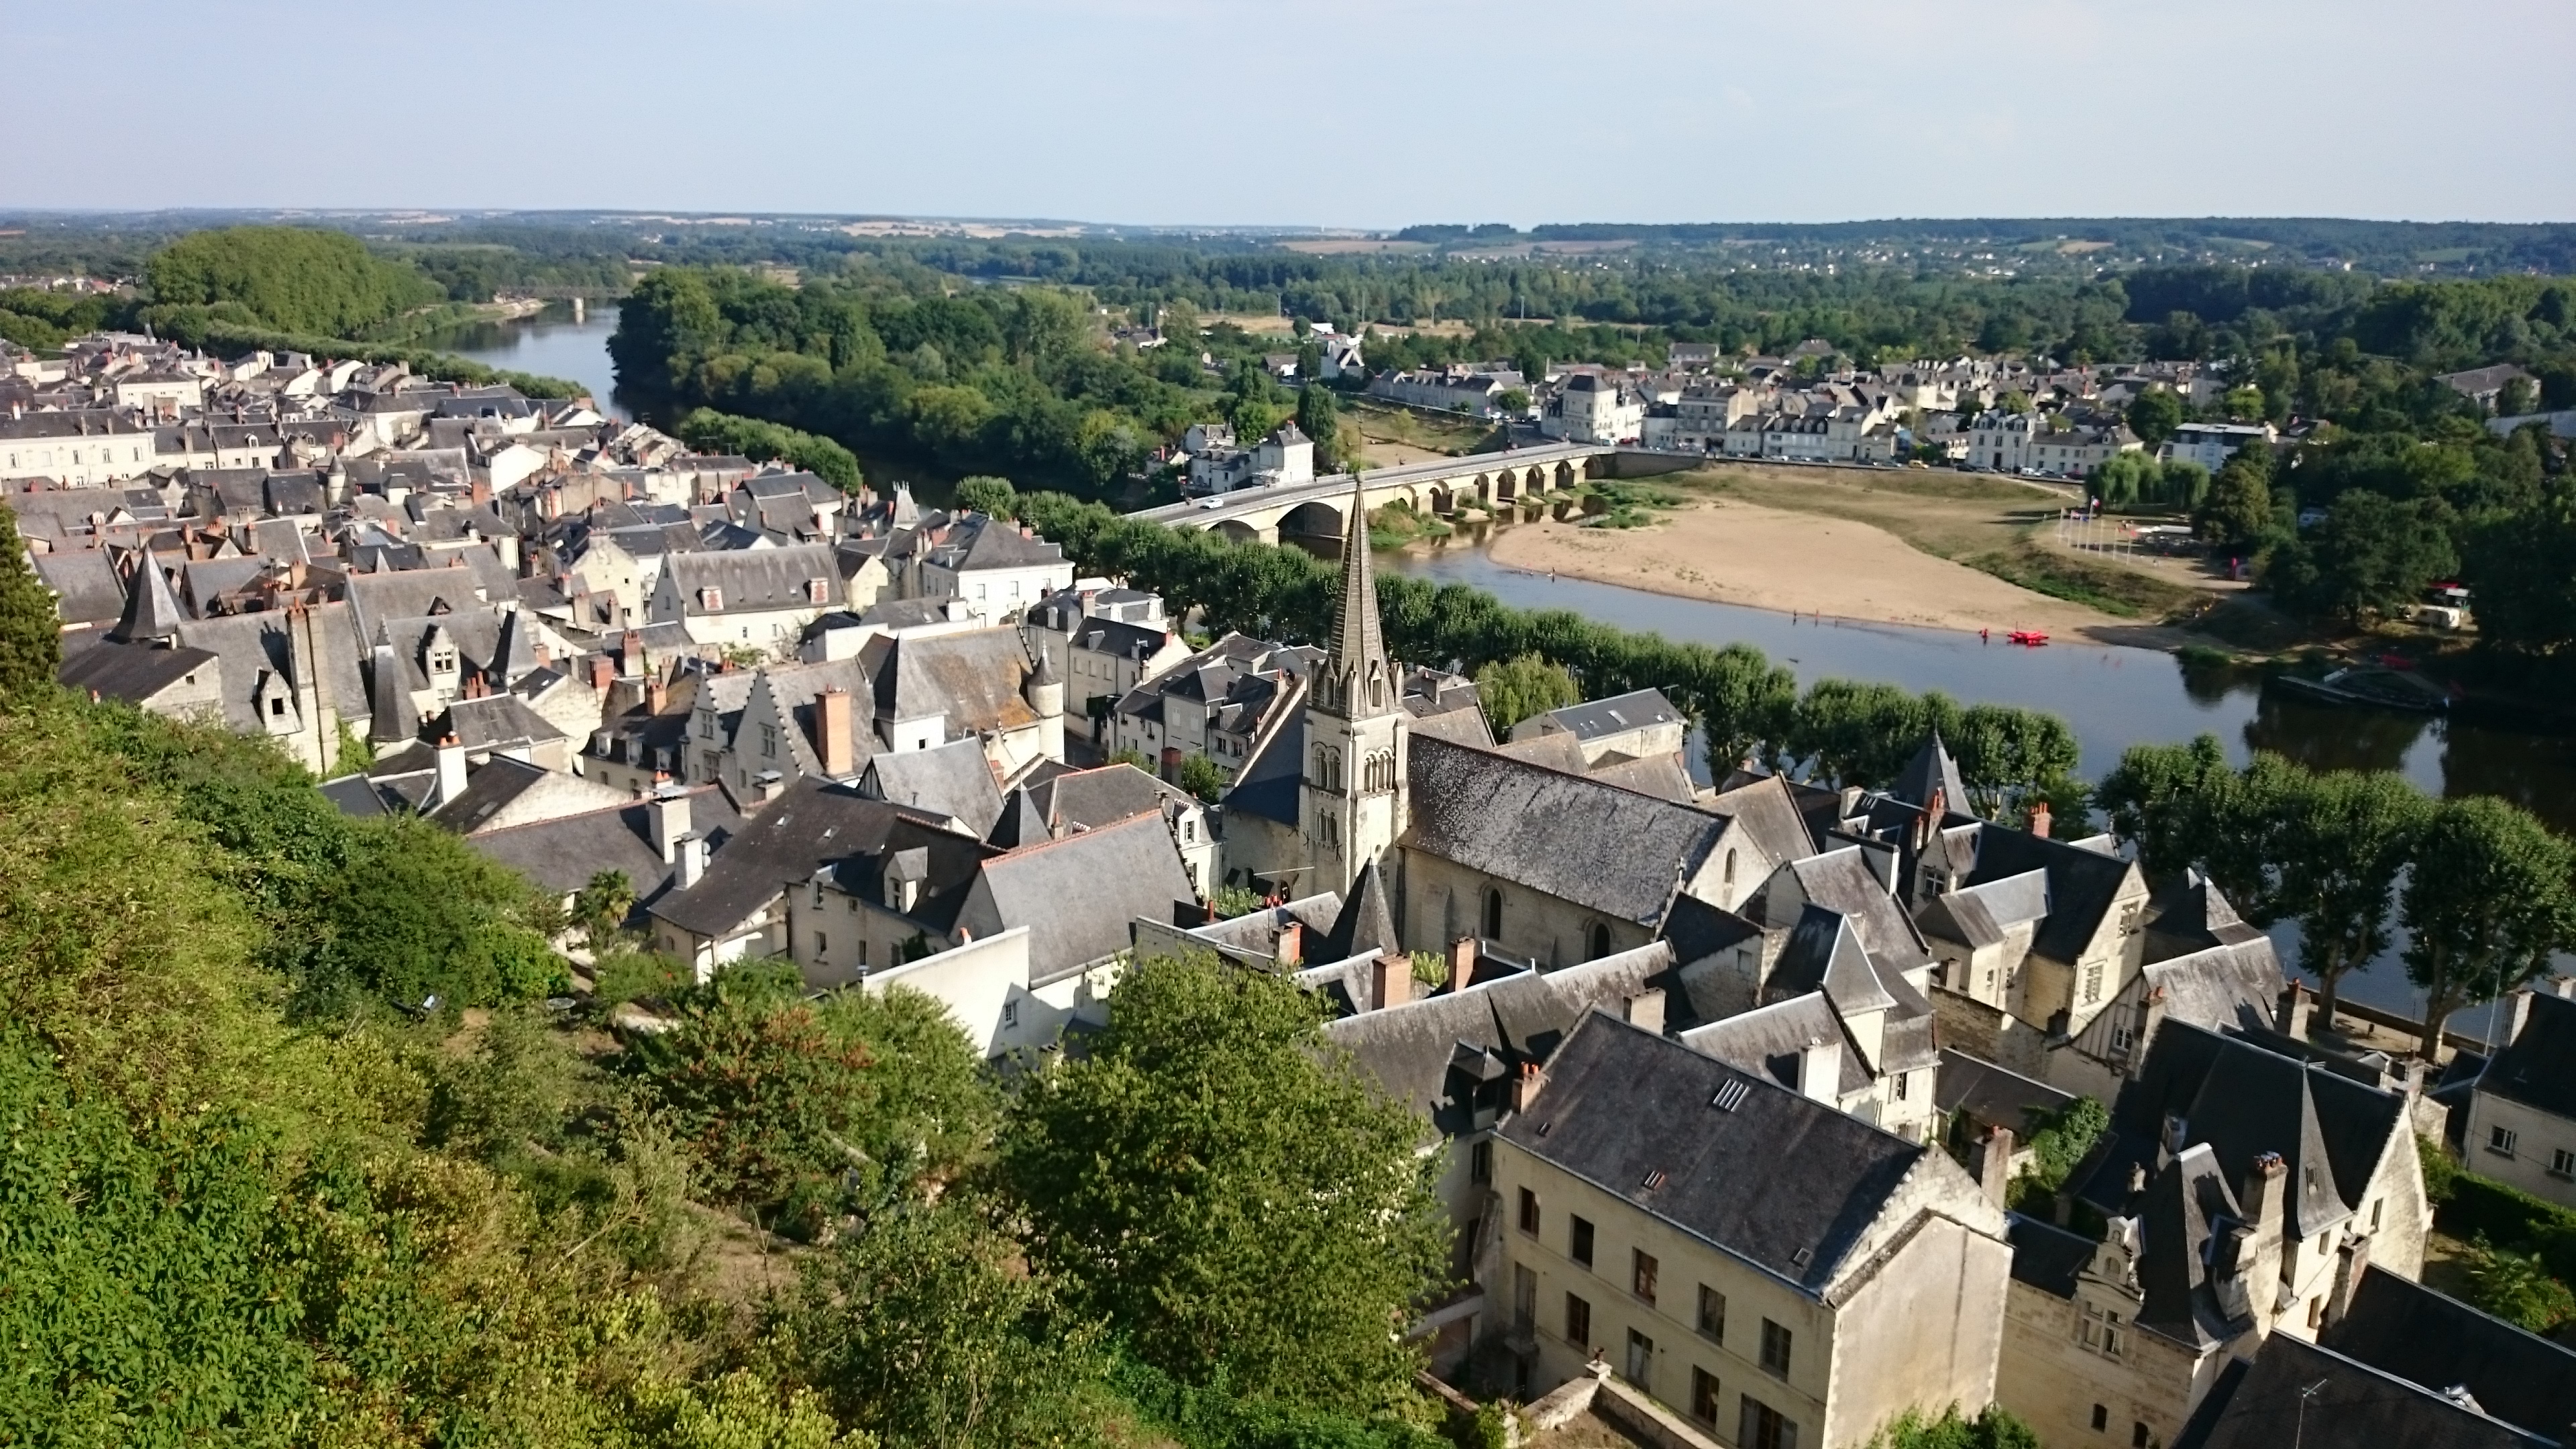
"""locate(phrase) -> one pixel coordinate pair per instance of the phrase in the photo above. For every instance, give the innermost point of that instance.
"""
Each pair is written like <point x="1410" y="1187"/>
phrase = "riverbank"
<point x="1729" y="551"/>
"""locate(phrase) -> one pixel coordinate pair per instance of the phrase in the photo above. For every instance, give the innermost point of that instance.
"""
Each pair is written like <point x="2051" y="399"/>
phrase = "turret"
<point x="1045" y="694"/>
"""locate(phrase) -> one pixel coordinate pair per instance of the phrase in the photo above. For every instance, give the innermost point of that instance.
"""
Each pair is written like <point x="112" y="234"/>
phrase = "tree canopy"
<point x="296" y="279"/>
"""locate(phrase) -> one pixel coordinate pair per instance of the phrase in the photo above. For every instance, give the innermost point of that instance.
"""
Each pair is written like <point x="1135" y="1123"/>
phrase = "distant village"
<point x="1743" y="1084"/>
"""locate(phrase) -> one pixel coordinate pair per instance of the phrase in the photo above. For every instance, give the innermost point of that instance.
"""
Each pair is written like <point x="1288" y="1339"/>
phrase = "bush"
<point x="2480" y="1209"/>
<point x="716" y="432"/>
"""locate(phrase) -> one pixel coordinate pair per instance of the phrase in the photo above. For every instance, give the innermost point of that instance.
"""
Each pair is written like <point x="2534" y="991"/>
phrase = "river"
<point x="2114" y="697"/>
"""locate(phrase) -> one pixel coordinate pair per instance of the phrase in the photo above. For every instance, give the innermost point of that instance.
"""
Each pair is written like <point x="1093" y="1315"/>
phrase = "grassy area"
<point x="1379" y="423"/>
<point x="1990" y="524"/>
<point x="1626" y="505"/>
<point x="1397" y="524"/>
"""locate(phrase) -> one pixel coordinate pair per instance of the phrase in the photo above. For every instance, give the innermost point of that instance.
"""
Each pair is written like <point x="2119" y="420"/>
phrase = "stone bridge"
<point x="1516" y="480"/>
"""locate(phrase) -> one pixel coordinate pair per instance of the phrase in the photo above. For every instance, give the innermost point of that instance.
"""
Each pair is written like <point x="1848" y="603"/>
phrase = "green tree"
<point x="925" y="1326"/>
<point x="989" y="495"/>
<point x="1513" y="402"/>
<point x="2523" y="569"/>
<point x="2245" y="404"/>
<point x="2519" y="397"/>
<point x="2518" y="1288"/>
<point x="803" y="1109"/>
<point x="2059" y="1141"/>
<point x="31" y="627"/>
<point x="1318" y="419"/>
<point x="2488" y="898"/>
<point x="1230" y="1194"/>
<point x="299" y="279"/>
<point x="2238" y="511"/>
<point x="603" y="905"/>
<point x="716" y="432"/>
<point x="1200" y="776"/>
<point x="2373" y="555"/>
<point x="2008" y="756"/>
<point x="2347" y="836"/>
<point x="1518" y="689"/>
<point x="2164" y="799"/>
<point x="2155" y="415"/>
<point x="1993" y="1428"/>
<point x="417" y="913"/>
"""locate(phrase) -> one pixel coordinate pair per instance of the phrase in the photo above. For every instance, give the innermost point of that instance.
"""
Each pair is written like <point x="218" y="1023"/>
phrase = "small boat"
<point x="2028" y="638"/>
<point x="2366" y="684"/>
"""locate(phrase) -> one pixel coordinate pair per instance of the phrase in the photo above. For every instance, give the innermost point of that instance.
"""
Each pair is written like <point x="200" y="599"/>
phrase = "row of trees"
<point x="2488" y="892"/>
<point x="1840" y="732"/>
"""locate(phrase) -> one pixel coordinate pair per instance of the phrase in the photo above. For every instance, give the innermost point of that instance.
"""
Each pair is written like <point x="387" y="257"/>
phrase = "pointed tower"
<point x="1351" y="803"/>
<point x="152" y="612"/>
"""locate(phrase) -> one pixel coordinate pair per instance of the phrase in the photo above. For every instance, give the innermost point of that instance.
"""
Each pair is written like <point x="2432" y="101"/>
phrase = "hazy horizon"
<point x="1179" y="113"/>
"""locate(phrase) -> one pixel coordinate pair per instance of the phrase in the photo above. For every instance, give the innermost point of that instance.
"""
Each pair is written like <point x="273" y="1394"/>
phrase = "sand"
<point x="1769" y="558"/>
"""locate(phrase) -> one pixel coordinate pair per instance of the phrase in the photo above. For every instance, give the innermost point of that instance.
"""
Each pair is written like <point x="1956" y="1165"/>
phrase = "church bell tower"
<point x="1351" y="801"/>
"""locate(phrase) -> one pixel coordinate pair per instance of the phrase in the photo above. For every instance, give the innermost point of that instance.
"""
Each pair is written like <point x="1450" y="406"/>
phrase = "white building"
<point x="2212" y="444"/>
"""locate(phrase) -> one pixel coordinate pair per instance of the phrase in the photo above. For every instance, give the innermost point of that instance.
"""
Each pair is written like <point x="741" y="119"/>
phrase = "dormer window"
<point x="442" y="661"/>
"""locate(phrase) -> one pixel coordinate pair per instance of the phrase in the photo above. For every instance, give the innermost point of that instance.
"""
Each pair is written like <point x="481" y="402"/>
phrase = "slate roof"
<point x="85" y="583"/>
<point x="1931" y="768"/>
<point x="1593" y="844"/>
<point x="1841" y="880"/>
<point x="2186" y="1206"/>
<point x="2403" y="1328"/>
<point x="1770" y="1040"/>
<point x="972" y="678"/>
<point x="1623" y="1107"/>
<point x="1097" y="797"/>
<point x="1637" y="709"/>
<point x="2299" y="1391"/>
<point x="561" y="855"/>
<point x="2047" y="1257"/>
<point x="151" y="610"/>
<point x="1992" y="1094"/>
<point x="493" y="784"/>
<point x="752" y="580"/>
<point x="1769" y="814"/>
<point x="979" y="542"/>
<point x="2082" y="883"/>
<point x="2538" y="1067"/>
<point x="2221" y="987"/>
<point x="1981" y="915"/>
<point x="1824" y="953"/>
<point x="134" y="673"/>
<point x="1445" y="1055"/>
<point x="251" y="643"/>
<point x="945" y="780"/>
<point x="811" y="824"/>
<point x="1365" y="926"/>
<point x="496" y="721"/>
<point x="1081" y="895"/>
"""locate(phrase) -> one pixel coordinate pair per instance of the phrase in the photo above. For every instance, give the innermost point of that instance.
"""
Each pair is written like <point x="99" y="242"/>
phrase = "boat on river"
<point x="2371" y="684"/>
<point x="2027" y="638"/>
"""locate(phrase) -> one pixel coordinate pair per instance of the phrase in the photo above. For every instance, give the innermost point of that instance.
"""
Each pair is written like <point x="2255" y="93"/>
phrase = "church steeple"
<point x="1357" y="681"/>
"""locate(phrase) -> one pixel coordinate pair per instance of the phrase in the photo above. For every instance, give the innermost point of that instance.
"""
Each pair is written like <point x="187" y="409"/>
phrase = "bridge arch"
<point x="1315" y="518"/>
<point x="1238" y="530"/>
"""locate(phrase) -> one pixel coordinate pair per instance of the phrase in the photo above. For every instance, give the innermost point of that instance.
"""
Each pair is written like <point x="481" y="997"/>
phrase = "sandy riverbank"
<point x="1769" y="558"/>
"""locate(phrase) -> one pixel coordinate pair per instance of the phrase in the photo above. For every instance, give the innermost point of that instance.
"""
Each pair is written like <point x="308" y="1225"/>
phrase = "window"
<point x="1762" y="1427"/>
<point x="769" y="741"/>
<point x="863" y="945"/>
<point x="1775" y="1349"/>
<point x="1900" y="1086"/>
<point x="1730" y="867"/>
<point x="1529" y="1212"/>
<point x="822" y="944"/>
<point x="1578" y="1322"/>
<point x="1578" y="1241"/>
<point x="1493" y="915"/>
<point x="2501" y="1140"/>
<point x="2562" y="1163"/>
<point x="1641" y="1274"/>
<point x="2092" y="983"/>
<point x="1480" y="1162"/>
<point x="2122" y="1038"/>
<point x="1599" y="942"/>
<point x="2101" y="1418"/>
<point x="2137" y="1436"/>
<point x="1712" y="1314"/>
<point x="1703" y="1398"/>
<point x="1010" y="1015"/>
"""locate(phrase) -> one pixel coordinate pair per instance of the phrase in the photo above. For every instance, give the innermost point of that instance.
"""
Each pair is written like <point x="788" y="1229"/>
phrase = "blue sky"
<point x="1326" y="112"/>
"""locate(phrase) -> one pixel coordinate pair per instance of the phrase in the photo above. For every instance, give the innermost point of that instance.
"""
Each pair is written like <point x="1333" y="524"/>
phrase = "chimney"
<point x="603" y="672"/>
<point x="2265" y="1188"/>
<point x="1994" y="1165"/>
<point x="2351" y="1262"/>
<point x="1290" y="951"/>
<point x="832" y="723"/>
<point x="692" y="863"/>
<point x="2290" y="1016"/>
<point x="2039" y="819"/>
<point x="1527" y="1086"/>
<point x="2520" y="1013"/>
<point x="2563" y="987"/>
<point x="670" y="819"/>
<point x="2151" y="1019"/>
<point x="1390" y="980"/>
<point x="657" y="695"/>
<point x="630" y="655"/>
<point x="1462" y="963"/>
<point x="1646" y="1009"/>
<point x="451" y="769"/>
<point x="1820" y="1070"/>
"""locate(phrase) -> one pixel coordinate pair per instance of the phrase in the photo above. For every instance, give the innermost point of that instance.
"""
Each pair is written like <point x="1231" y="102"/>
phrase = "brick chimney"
<point x="832" y="724"/>
<point x="1291" y="948"/>
<point x="2039" y="819"/>
<point x="1527" y="1086"/>
<point x="1462" y="962"/>
<point x="603" y="672"/>
<point x="1994" y="1164"/>
<point x="1390" y="981"/>
<point x="630" y="654"/>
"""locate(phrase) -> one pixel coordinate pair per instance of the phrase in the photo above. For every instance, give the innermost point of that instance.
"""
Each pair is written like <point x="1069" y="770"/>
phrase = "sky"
<point x="1339" y="113"/>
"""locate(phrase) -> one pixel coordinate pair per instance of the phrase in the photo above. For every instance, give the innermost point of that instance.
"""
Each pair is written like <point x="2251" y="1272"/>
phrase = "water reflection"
<point x="2325" y="736"/>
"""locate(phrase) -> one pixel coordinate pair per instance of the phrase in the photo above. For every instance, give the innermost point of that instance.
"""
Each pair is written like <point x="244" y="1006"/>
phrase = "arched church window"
<point x="1493" y="915"/>
<point x="1598" y="944"/>
<point x="1730" y="867"/>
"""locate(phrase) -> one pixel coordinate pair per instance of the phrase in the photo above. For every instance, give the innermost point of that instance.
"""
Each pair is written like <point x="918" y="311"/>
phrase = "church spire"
<point x="1358" y="651"/>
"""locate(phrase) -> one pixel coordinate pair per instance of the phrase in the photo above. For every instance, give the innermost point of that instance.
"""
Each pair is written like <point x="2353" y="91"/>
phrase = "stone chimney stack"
<point x="837" y="746"/>
<point x="451" y="769"/>
<point x="2266" y="1193"/>
<point x="1290" y="949"/>
<point x="1390" y="980"/>
<point x="670" y="819"/>
<point x="1462" y="963"/>
<point x="2290" y="1019"/>
<point x="1994" y="1164"/>
<point x="1820" y="1070"/>
<point x="691" y="864"/>
<point x="1646" y="1009"/>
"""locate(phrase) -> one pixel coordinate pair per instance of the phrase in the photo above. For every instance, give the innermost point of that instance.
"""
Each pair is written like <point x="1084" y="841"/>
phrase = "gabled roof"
<point x="1770" y="1041"/>
<point x="1981" y="915"/>
<point x="135" y="673"/>
<point x="1597" y="719"/>
<point x="2186" y="1205"/>
<point x="2330" y="1399"/>
<point x="1768" y="812"/>
<point x="2538" y="1067"/>
<point x="2403" y="1328"/>
<point x="1785" y="1183"/>
<point x="950" y="780"/>
<point x="973" y="678"/>
<point x="562" y="854"/>
<point x="1365" y="926"/>
<point x="1080" y="896"/>
<point x="810" y="825"/>
<point x="752" y="580"/>
<point x="1104" y="796"/>
<point x="1020" y="822"/>
<point x="2082" y="883"/>
<point x="1824" y="953"/>
<point x="1593" y="844"/>
<point x="1841" y="880"/>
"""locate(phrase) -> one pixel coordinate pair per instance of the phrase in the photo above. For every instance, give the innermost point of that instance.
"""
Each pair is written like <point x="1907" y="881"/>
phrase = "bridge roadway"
<point x="1492" y="481"/>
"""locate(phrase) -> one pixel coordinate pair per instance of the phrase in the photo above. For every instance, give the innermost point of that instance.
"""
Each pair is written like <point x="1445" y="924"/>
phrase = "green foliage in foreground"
<point x="31" y="630"/>
<point x="1236" y="1202"/>
<point x="713" y="432"/>
<point x="1995" y="1428"/>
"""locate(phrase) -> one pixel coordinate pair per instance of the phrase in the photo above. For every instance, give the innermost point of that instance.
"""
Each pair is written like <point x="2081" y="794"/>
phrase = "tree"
<point x="2245" y="404"/>
<point x="925" y="1327"/>
<point x="2238" y="511"/>
<point x="1513" y="402"/>
<point x="2519" y="397"/>
<point x="2154" y="415"/>
<point x="602" y="905"/>
<point x="2518" y="1288"/>
<point x="1994" y="1428"/>
<point x="1229" y="1193"/>
<point x="2008" y="755"/>
<point x="1523" y="688"/>
<point x="2373" y="555"/>
<point x="1200" y="776"/>
<point x="2348" y="835"/>
<point x="2523" y="568"/>
<point x="2487" y="899"/>
<point x="985" y="494"/>
<point x="298" y="279"/>
<point x="416" y="913"/>
<point x="1319" y="421"/>
<point x="31" y="627"/>
<point x="2162" y="799"/>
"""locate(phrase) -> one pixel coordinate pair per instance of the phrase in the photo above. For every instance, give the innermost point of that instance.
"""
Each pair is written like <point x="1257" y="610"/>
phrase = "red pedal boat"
<point x="2029" y="637"/>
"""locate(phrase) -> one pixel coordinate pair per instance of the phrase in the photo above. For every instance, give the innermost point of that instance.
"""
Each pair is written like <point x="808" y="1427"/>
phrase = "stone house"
<point x="2521" y="1126"/>
<point x="747" y="599"/>
<point x="1775" y="1271"/>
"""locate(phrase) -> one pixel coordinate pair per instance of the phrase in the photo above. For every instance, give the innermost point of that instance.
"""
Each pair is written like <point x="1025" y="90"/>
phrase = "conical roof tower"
<point x="1357" y="656"/>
